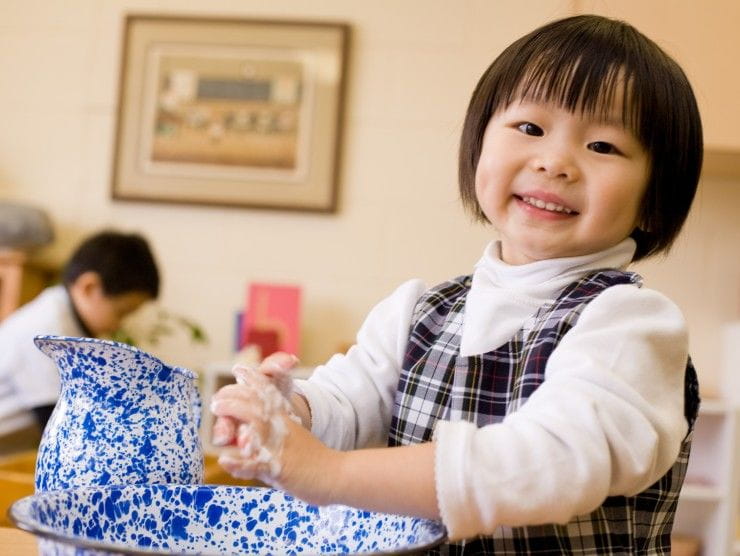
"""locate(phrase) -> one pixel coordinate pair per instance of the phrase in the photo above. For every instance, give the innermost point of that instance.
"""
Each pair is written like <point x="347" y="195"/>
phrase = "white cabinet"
<point x="708" y="504"/>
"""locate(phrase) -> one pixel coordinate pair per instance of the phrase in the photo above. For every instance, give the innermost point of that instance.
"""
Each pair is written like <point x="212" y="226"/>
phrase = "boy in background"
<point x="110" y="275"/>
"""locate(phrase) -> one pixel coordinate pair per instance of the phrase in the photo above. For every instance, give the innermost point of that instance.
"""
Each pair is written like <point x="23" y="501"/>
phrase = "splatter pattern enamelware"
<point x="123" y="417"/>
<point x="201" y="519"/>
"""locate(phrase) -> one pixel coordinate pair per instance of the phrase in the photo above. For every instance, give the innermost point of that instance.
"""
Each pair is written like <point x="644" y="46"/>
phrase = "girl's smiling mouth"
<point x="546" y="206"/>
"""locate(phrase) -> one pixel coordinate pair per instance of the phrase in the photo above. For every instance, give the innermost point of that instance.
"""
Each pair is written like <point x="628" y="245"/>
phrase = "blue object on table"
<point x="123" y="417"/>
<point x="201" y="519"/>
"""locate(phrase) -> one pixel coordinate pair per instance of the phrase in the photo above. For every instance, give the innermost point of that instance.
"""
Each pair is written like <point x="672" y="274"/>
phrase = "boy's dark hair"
<point x="581" y="63"/>
<point x="124" y="262"/>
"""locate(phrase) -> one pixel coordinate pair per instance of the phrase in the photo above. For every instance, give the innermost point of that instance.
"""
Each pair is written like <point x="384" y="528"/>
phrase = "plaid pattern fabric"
<point x="437" y="383"/>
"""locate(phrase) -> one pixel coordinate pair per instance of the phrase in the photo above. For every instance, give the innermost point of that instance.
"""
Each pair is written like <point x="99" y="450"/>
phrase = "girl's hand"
<point x="270" y="445"/>
<point x="300" y="464"/>
<point x="256" y="408"/>
<point x="275" y="367"/>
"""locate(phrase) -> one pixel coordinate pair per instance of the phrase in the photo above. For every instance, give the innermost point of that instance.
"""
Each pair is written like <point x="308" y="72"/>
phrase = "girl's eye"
<point x="529" y="128"/>
<point x="602" y="147"/>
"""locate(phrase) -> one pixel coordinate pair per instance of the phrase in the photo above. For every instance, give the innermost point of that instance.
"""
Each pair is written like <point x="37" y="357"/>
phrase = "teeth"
<point x="552" y="207"/>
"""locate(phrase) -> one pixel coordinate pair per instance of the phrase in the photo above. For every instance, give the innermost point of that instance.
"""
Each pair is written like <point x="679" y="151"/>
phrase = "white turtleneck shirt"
<point x="607" y="420"/>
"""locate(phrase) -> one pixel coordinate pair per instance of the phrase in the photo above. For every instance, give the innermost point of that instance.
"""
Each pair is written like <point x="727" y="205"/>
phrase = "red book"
<point x="272" y="318"/>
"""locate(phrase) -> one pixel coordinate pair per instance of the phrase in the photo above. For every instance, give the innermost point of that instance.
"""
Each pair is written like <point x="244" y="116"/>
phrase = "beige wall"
<point x="412" y="67"/>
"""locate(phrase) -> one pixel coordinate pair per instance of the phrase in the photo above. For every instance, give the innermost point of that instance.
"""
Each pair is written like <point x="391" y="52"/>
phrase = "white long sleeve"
<point x="607" y="420"/>
<point x="351" y="396"/>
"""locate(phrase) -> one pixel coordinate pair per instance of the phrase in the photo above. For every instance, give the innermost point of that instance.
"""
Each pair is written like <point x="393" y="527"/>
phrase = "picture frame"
<point x="231" y="112"/>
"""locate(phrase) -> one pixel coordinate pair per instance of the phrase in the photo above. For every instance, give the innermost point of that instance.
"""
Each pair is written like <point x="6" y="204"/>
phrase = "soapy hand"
<point x="275" y="367"/>
<point x="266" y="439"/>
<point x="250" y="415"/>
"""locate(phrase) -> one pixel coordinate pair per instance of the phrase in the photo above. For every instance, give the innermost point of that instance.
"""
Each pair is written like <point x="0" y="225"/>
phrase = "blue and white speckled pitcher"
<point x="123" y="418"/>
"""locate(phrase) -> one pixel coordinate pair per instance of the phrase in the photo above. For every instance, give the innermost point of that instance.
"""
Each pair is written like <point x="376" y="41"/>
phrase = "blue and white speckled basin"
<point x="200" y="519"/>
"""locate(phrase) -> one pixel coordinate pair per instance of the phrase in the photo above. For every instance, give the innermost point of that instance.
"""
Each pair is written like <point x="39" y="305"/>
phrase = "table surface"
<point x="17" y="543"/>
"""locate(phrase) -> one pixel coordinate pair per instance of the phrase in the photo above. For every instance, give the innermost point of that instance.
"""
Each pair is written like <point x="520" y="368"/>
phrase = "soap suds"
<point x="260" y="443"/>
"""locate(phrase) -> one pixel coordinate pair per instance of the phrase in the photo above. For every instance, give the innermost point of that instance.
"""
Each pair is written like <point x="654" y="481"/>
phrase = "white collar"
<point x="503" y="296"/>
<point x="491" y="270"/>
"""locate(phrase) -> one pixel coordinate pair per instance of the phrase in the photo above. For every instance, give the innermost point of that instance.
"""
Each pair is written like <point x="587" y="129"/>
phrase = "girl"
<point x="543" y="404"/>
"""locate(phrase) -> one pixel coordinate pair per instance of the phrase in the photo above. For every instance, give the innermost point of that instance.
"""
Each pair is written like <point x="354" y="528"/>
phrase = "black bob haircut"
<point x="124" y="263"/>
<point x="580" y="63"/>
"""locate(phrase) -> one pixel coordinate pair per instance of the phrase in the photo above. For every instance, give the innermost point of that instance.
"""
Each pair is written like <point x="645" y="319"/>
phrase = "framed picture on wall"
<point x="230" y="112"/>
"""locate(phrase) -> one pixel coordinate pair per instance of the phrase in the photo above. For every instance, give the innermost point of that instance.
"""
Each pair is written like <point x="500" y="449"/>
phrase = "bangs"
<point x="584" y="66"/>
<point x="590" y="86"/>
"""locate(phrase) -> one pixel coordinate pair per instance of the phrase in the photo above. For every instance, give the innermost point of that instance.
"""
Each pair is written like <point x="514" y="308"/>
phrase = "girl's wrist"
<point x="333" y="477"/>
<point x="310" y="470"/>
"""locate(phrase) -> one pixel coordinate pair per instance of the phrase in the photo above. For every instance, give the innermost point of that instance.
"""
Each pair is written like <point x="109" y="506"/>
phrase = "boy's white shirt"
<point x="28" y="378"/>
<point x="608" y="419"/>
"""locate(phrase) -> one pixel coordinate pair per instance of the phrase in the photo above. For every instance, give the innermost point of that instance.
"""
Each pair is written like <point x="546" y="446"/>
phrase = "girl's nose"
<point x="555" y="163"/>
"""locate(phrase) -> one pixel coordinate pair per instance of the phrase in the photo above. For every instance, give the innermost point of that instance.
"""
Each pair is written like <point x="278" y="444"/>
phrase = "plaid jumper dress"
<point x="437" y="383"/>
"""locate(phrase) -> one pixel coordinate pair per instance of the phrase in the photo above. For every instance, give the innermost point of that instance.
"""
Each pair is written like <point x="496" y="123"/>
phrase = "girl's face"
<point x="559" y="184"/>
